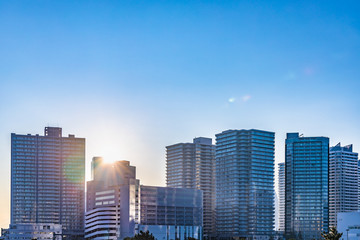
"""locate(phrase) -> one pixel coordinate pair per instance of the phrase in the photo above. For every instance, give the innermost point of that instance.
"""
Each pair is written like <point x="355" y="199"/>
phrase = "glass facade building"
<point x="306" y="186"/>
<point x="48" y="180"/>
<point x="192" y="165"/>
<point x="245" y="184"/>
<point x="343" y="181"/>
<point x="171" y="213"/>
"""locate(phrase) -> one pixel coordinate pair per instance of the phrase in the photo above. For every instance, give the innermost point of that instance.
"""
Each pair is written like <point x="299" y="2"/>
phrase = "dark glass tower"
<point x="48" y="180"/>
<point x="245" y="184"/>
<point x="306" y="186"/>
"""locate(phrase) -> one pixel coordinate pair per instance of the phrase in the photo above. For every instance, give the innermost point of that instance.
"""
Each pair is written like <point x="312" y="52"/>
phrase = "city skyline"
<point x="135" y="77"/>
<point x="53" y="133"/>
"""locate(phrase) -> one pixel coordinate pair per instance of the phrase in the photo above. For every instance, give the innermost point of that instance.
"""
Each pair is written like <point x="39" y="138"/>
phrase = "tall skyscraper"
<point x="245" y="184"/>
<point x="306" y="186"/>
<point x="192" y="165"/>
<point x="343" y="181"/>
<point x="281" y="193"/>
<point x="48" y="180"/>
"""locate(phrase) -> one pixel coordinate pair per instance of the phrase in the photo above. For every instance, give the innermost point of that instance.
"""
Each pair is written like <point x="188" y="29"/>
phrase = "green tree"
<point x="332" y="235"/>
<point x="144" y="236"/>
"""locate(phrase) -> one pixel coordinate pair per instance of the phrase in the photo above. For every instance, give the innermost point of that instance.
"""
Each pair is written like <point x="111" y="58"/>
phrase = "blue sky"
<point x="134" y="76"/>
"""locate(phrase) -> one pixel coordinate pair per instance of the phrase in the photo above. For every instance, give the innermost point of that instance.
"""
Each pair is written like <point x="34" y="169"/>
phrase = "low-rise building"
<point x="22" y="231"/>
<point x="348" y="223"/>
<point x="171" y="213"/>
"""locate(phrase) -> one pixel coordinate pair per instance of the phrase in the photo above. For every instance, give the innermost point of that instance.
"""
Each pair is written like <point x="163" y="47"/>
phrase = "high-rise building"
<point x="359" y="185"/>
<point x="245" y="184"/>
<point x="192" y="165"/>
<point x="343" y="181"/>
<point x="281" y="194"/>
<point x="112" y="201"/>
<point x="48" y="180"/>
<point x="306" y="186"/>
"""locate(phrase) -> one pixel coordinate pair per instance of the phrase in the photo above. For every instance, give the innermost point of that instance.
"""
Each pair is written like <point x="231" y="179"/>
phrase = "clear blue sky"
<point x="134" y="76"/>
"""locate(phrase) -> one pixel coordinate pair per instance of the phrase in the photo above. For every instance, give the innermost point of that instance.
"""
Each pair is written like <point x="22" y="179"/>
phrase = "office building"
<point x="48" y="180"/>
<point x="281" y="194"/>
<point x="115" y="213"/>
<point x="102" y="223"/>
<point x="171" y="213"/>
<point x="349" y="225"/>
<point x="192" y="165"/>
<point x="343" y="181"/>
<point x="118" y="207"/>
<point x="245" y="184"/>
<point x="306" y="186"/>
<point x="112" y="201"/>
<point x="23" y="231"/>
